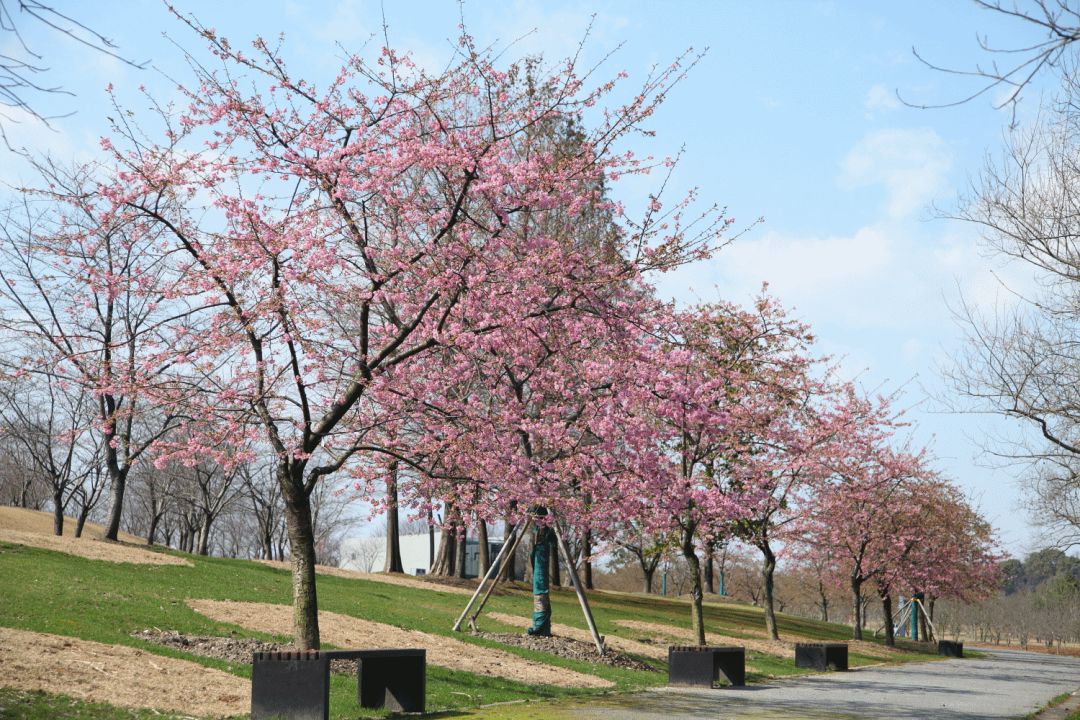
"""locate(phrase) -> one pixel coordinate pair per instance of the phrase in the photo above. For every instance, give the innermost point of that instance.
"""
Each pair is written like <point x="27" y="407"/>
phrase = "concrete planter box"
<point x="701" y="665"/>
<point x="821" y="656"/>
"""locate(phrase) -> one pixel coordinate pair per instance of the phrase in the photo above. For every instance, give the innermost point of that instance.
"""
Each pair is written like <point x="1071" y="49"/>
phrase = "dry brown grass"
<point x="34" y="528"/>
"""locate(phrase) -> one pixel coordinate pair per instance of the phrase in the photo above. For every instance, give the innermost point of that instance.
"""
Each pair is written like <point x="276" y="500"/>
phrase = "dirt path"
<point x="118" y="675"/>
<point x="346" y="631"/>
<point x="625" y="645"/>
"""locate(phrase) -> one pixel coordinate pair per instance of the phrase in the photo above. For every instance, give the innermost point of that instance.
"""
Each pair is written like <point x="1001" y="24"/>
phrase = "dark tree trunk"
<point x="553" y="564"/>
<point x="58" y="512"/>
<point x="648" y="573"/>
<point x="484" y="556"/>
<point x="393" y="536"/>
<point x="586" y="553"/>
<point x="697" y="617"/>
<point x="462" y="547"/>
<point x="768" y="572"/>
<point x="116" y="504"/>
<point x="510" y="571"/>
<point x="155" y="519"/>
<point x="886" y="610"/>
<point x="709" y="568"/>
<point x="431" y="539"/>
<point x="856" y="608"/>
<point x="824" y="604"/>
<point x="80" y="522"/>
<point x="302" y="548"/>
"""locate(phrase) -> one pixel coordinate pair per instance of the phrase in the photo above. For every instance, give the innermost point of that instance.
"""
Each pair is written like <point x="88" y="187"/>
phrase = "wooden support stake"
<point x="506" y="561"/>
<point x="491" y="569"/>
<point x="577" y="588"/>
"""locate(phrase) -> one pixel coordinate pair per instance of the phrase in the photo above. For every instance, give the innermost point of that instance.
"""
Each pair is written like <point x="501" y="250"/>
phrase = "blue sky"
<point x="791" y="116"/>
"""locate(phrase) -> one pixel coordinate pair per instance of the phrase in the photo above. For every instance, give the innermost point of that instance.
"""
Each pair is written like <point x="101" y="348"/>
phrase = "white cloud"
<point x="879" y="98"/>
<point x="911" y="163"/>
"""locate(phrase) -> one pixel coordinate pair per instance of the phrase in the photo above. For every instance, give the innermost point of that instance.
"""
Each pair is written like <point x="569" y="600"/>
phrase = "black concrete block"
<point x="948" y="648"/>
<point x="821" y="656"/>
<point x="701" y="665"/>
<point x="290" y="686"/>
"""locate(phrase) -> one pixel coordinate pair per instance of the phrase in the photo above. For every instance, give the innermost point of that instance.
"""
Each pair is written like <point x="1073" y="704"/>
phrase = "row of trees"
<point x="426" y="278"/>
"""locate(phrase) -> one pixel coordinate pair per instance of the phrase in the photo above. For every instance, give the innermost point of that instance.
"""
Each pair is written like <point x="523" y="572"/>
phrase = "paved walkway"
<point x="1005" y="684"/>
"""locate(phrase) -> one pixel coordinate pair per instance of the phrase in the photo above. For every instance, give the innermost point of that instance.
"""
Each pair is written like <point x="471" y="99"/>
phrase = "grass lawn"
<point x="55" y="593"/>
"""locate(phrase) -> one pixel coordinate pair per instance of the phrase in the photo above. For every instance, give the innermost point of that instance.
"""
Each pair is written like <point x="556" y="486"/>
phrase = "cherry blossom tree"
<point x="344" y="240"/>
<point x="84" y="297"/>
<point x="726" y="386"/>
<point x="848" y="522"/>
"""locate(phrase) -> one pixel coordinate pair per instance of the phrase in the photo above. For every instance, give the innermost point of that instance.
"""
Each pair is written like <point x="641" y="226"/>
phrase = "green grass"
<point x="56" y="593"/>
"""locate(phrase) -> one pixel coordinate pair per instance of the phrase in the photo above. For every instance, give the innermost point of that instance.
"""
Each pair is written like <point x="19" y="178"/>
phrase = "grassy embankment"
<point x="55" y="593"/>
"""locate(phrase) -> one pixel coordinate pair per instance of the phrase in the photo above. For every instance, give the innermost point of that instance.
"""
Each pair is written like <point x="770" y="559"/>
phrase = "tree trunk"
<point x="117" y="483"/>
<point x="886" y="610"/>
<point x="302" y="548"/>
<point x="444" y="556"/>
<point x="553" y="564"/>
<point x="510" y="571"/>
<point x="856" y="608"/>
<point x="708" y="573"/>
<point x="697" y="617"/>
<point x="80" y="522"/>
<point x="58" y="512"/>
<point x="824" y="604"/>
<point x="204" y="535"/>
<point x="392" y="563"/>
<point x="431" y="538"/>
<point x="768" y="571"/>
<point x="484" y="556"/>
<point x="648" y="573"/>
<point x="462" y="547"/>
<point x="586" y="555"/>
<point x="152" y="532"/>
<point x="930" y="612"/>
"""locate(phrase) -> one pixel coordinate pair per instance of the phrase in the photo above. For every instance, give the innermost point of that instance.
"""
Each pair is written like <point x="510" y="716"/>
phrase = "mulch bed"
<point x="568" y="648"/>
<point x="239" y="650"/>
<point x="230" y="649"/>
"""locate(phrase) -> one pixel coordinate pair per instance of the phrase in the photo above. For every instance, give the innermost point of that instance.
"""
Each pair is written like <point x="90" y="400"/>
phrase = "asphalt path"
<point x="1004" y="684"/>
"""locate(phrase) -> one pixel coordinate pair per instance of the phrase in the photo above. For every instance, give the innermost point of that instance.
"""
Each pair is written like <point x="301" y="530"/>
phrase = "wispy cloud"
<point x="911" y="164"/>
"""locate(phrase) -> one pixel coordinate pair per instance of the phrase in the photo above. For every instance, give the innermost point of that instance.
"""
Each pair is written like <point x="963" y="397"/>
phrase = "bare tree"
<point x="48" y="418"/>
<point x="1013" y="68"/>
<point x="1023" y="361"/>
<point x="22" y="70"/>
<point x="76" y="286"/>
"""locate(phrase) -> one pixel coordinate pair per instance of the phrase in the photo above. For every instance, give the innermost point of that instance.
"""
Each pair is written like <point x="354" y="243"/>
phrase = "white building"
<point x="368" y="554"/>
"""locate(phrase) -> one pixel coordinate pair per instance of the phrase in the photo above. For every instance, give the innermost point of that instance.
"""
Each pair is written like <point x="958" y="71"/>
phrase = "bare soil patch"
<point x="36" y="521"/>
<point x="34" y="528"/>
<point x="624" y="645"/>
<point x="118" y="675"/>
<point x="562" y="646"/>
<point x="349" y="632"/>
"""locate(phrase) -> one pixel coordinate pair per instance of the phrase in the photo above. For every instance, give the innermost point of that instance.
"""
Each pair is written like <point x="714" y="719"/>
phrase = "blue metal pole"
<point x="663" y="583"/>
<point x="721" y="582"/>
